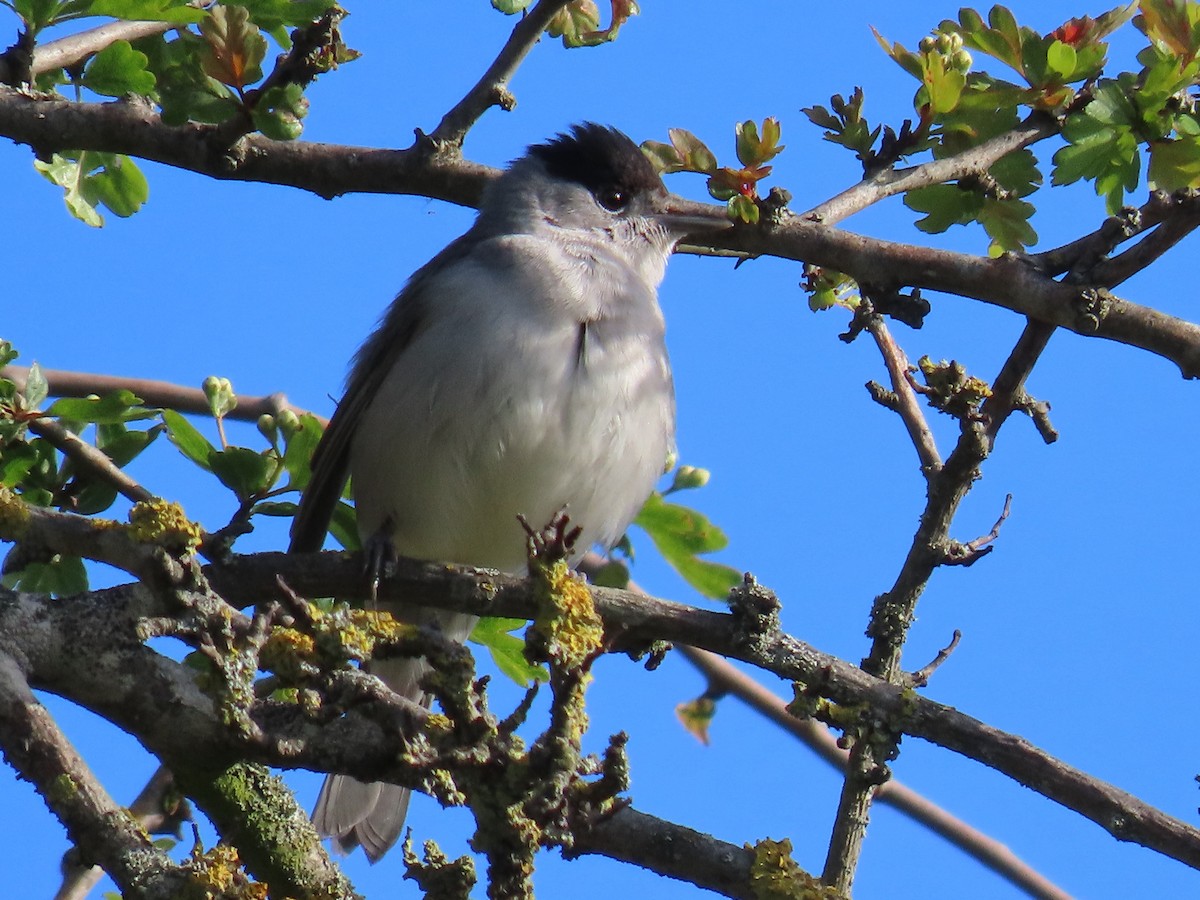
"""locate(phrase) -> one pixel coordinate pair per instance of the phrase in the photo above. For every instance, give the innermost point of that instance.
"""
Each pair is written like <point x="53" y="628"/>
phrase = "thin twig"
<point x="973" y="162"/>
<point x="492" y="87"/>
<point x="906" y="406"/>
<point x="75" y="48"/>
<point x="88" y="458"/>
<point x="166" y="394"/>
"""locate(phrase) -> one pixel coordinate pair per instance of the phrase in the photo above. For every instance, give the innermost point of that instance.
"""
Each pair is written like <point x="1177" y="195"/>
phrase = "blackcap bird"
<point x="522" y="371"/>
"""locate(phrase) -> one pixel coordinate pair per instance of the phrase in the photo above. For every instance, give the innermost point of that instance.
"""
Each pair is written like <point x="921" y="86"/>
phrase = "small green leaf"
<point x="191" y="443"/>
<point x="297" y="455"/>
<point x="511" y="7"/>
<point x="343" y="525"/>
<point x="244" y="471"/>
<point x="1061" y="59"/>
<point x="66" y="173"/>
<point x="117" y="70"/>
<point x="680" y="534"/>
<point x="62" y="576"/>
<point x="507" y="650"/>
<point x="37" y="389"/>
<point x="119" y="184"/>
<point x="117" y="406"/>
<point x="176" y="12"/>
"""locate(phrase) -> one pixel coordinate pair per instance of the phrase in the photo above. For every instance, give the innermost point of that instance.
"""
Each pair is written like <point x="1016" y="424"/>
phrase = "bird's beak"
<point x="687" y="217"/>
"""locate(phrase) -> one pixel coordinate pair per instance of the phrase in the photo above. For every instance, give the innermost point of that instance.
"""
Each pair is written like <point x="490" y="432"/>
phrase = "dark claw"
<point x="379" y="560"/>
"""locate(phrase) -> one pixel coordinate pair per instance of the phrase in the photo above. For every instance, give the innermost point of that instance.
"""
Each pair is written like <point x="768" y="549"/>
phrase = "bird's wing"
<point x="330" y="464"/>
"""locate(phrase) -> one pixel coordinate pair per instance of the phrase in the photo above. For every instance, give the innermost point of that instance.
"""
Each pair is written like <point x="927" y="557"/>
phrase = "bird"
<point x="521" y="372"/>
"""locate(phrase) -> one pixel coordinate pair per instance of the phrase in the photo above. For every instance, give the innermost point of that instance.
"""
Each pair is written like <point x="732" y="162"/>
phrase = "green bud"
<point x="289" y="422"/>
<point x="220" y="395"/>
<point x="927" y="44"/>
<point x="687" y="477"/>
<point x="961" y="60"/>
<point x="267" y="427"/>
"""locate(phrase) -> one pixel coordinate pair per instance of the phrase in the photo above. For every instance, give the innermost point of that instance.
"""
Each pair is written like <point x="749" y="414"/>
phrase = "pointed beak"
<point x="684" y="217"/>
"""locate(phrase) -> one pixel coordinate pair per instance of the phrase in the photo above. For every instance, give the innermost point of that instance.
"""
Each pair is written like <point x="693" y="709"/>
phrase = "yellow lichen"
<point x="161" y="522"/>
<point x="566" y="616"/>
<point x="14" y="515"/>
<point x="774" y="875"/>
<point x="219" y="874"/>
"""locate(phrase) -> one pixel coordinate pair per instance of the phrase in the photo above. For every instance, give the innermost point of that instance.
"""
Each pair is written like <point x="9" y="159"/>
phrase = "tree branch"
<point x="492" y="87"/>
<point x="99" y="827"/>
<point x="890" y="182"/>
<point x="50" y="123"/>
<point x="166" y="394"/>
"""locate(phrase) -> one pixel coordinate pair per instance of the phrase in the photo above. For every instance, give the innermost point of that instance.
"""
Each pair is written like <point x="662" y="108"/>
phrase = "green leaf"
<point x="236" y="47"/>
<point x="274" y="508"/>
<point x="507" y="650"/>
<point x="1061" y="59"/>
<point x="117" y="70"/>
<point x="117" y="406"/>
<point x="511" y="7"/>
<point x="67" y="174"/>
<point x="680" y="534"/>
<point x="176" y="12"/>
<point x="123" y="446"/>
<point x="1175" y="165"/>
<point x="1007" y="223"/>
<point x="278" y="112"/>
<point x="297" y="455"/>
<point x="944" y="205"/>
<point x="62" y="576"/>
<point x="244" y="471"/>
<point x="37" y="389"/>
<point x="273" y="15"/>
<point x="119" y="184"/>
<point x="343" y="525"/>
<point x="191" y="443"/>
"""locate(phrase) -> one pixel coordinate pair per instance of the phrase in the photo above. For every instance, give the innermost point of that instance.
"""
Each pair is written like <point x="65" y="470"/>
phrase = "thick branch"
<point x="98" y="826"/>
<point x="49" y="124"/>
<point x="638" y="620"/>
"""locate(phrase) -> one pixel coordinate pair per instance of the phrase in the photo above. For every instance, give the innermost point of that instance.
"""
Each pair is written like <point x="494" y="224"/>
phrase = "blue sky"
<point x="1079" y="628"/>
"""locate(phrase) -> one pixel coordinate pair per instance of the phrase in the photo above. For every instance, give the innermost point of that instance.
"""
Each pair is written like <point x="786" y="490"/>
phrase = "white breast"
<point x="492" y="410"/>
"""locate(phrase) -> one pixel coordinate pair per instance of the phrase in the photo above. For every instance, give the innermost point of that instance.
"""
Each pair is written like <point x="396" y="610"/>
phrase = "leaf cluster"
<point x="1110" y="125"/>
<point x="736" y="186"/>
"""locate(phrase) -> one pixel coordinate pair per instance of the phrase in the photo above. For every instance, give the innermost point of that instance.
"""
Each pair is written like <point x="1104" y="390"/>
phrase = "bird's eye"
<point x="612" y="198"/>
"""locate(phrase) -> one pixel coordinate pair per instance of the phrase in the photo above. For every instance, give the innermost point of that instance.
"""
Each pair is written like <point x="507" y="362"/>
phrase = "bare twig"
<point x="492" y="87"/>
<point x="920" y="678"/>
<point x="906" y="405"/>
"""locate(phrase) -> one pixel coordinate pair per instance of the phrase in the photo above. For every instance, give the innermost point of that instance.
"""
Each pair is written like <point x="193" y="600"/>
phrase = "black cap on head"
<point x="599" y="157"/>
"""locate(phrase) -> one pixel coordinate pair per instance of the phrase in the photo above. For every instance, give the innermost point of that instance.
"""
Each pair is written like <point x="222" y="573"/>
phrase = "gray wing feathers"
<point x="351" y="813"/>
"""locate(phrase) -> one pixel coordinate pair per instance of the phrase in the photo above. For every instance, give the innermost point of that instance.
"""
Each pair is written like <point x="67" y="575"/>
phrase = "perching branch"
<point x="49" y="123"/>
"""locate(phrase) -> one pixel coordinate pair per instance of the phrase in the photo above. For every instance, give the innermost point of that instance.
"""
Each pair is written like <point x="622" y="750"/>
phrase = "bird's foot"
<point x="379" y="560"/>
<point x="553" y="542"/>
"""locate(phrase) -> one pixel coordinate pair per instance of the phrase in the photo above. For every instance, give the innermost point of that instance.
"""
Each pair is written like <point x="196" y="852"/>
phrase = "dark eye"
<point x="612" y="198"/>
